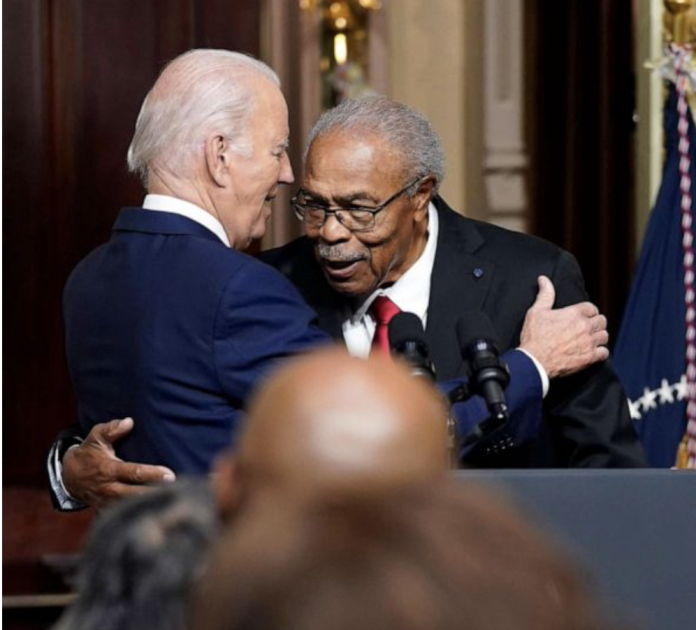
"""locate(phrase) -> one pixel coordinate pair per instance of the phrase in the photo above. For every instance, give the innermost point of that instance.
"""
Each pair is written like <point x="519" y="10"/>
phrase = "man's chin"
<point x="259" y="229"/>
<point x="349" y="287"/>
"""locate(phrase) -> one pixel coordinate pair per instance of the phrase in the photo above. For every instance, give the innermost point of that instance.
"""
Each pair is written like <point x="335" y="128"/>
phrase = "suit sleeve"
<point x="261" y="319"/>
<point x="587" y="413"/>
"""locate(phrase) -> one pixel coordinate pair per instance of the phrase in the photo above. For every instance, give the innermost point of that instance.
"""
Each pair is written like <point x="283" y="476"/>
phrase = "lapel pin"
<point x="478" y="272"/>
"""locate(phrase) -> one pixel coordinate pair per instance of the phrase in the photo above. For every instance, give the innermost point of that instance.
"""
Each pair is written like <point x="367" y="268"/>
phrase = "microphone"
<point x="407" y="340"/>
<point x="489" y="375"/>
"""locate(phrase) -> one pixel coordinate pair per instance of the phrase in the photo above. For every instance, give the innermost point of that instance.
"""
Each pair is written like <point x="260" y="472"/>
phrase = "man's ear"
<point x="217" y="158"/>
<point x="423" y="196"/>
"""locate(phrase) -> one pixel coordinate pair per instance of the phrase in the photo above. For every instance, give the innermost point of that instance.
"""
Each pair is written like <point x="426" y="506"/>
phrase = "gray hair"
<point x="404" y="128"/>
<point x="143" y="559"/>
<point x="197" y="92"/>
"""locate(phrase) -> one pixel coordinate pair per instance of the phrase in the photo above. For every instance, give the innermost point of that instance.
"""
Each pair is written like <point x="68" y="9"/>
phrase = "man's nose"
<point x="286" y="176"/>
<point x="333" y="230"/>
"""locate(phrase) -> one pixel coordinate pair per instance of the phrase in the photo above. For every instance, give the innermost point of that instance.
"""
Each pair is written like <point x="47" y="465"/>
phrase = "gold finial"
<point x="678" y="6"/>
<point x="682" y="459"/>
<point x="679" y="22"/>
<point x="356" y="5"/>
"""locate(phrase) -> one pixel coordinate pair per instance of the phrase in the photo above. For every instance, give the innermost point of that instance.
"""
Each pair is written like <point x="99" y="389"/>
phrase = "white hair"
<point x="404" y="128"/>
<point x="198" y="92"/>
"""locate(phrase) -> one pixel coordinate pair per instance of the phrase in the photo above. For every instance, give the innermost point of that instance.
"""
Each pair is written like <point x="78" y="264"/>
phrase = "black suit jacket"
<point x="481" y="266"/>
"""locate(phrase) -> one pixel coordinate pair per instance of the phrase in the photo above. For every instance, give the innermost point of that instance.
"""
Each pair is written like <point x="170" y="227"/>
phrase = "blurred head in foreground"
<point x="142" y="559"/>
<point x="430" y="555"/>
<point x="328" y="421"/>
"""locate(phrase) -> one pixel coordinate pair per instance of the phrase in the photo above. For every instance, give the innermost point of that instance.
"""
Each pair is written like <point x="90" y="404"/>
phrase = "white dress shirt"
<point x="165" y="203"/>
<point x="411" y="292"/>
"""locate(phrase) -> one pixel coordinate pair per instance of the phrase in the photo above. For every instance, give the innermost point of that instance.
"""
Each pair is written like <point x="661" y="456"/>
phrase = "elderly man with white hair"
<point x="163" y="322"/>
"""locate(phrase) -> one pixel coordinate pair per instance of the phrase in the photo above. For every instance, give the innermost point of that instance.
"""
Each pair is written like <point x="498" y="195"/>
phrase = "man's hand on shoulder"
<point x="564" y="340"/>
<point x="94" y="475"/>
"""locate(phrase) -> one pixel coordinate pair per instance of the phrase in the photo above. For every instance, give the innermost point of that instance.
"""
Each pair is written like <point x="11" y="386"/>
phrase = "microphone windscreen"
<point x="405" y="327"/>
<point x="473" y="326"/>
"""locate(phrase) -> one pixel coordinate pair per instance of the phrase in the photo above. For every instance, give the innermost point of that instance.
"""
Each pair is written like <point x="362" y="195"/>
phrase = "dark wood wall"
<point x="74" y="75"/>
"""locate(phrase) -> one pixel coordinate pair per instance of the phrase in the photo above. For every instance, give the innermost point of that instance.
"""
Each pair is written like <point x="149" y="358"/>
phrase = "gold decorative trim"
<point x="679" y="22"/>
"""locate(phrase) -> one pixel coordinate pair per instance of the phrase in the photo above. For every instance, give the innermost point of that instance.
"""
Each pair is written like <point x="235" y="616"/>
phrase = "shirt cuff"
<point x="64" y="500"/>
<point x="542" y="373"/>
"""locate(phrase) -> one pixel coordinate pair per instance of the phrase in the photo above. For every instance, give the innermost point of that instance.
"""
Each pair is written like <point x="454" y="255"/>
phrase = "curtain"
<point x="580" y="104"/>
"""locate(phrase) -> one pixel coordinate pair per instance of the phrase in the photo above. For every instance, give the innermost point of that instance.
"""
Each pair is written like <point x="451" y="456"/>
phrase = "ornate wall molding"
<point x="505" y="159"/>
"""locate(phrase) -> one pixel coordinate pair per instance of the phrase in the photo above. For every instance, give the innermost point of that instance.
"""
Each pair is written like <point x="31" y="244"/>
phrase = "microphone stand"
<point x="497" y="418"/>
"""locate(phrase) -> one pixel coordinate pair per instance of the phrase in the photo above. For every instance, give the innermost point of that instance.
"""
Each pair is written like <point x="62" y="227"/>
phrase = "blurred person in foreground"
<point x="328" y="421"/>
<point x="429" y="554"/>
<point x="142" y="560"/>
<point x="146" y="552"/>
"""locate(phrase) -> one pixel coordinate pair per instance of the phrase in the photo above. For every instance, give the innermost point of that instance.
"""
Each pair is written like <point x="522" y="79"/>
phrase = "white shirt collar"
<point x="411" y="292"/>
<point x="165" y="203"/>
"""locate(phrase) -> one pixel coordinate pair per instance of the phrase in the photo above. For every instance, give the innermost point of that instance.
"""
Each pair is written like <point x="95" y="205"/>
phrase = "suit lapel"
<point x="461" y="280"/>
<point x="330" y="319"/>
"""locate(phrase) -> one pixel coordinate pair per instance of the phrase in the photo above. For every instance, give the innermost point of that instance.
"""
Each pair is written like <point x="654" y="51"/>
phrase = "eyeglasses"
<point x="353" y="218"/>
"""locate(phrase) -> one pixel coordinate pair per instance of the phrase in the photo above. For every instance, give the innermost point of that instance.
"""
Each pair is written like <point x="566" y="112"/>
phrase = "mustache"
<point x="337" y="253"/>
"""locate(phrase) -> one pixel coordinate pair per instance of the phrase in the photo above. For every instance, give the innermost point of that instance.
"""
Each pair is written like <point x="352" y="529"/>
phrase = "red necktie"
<point x="382" y="311"/>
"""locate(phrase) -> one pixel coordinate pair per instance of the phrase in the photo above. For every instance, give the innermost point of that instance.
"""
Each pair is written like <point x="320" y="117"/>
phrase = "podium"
<point x="632" y="531"/>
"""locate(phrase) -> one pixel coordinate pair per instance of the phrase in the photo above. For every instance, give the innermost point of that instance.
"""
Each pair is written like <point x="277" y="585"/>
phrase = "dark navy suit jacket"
<point x="166" y="324"/>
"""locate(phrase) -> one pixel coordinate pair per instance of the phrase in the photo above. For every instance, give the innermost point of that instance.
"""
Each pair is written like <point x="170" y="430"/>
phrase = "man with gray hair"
<point x="143" y="561"/>
<point x="380" y="239"/>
